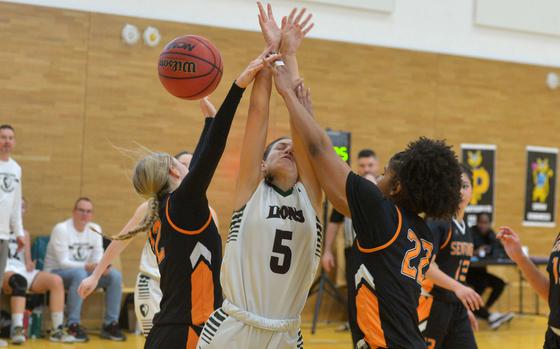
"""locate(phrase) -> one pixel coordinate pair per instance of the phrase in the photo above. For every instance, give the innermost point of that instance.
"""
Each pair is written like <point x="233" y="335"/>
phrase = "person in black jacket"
<point x="486" y="245"/>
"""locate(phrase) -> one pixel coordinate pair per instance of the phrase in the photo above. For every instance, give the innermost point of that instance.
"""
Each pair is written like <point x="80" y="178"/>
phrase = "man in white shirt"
<point x="74" y="249"/>
<point x="10" y="198"/>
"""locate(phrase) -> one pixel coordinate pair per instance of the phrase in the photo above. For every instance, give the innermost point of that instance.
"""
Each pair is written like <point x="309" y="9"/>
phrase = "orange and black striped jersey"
<point x="185" y="240"/>
<point x="453" y="251"/>
<point x="391" y="253"/>
<point x="554" y="288"/>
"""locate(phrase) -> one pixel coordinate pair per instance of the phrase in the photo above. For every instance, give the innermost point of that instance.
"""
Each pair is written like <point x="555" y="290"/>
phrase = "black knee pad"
<point x="18" y="284"/>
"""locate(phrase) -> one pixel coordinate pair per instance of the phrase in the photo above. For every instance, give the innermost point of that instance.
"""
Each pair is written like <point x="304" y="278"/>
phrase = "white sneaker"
<point x="18" y="335"/>
<point x="3" y="343"/>
<point x="60" y="335"/>
<point x="499" y="321"/>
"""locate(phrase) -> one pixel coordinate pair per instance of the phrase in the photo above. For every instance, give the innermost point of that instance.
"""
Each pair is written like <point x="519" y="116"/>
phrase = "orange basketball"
<point x="190" y="67"/>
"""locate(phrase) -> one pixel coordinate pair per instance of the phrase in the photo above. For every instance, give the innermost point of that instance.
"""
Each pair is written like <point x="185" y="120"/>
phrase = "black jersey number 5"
<point x="280" y="248"/>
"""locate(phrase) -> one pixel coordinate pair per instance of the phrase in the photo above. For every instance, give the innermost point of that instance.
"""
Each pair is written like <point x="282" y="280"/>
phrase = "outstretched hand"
<point x="208" y="109"/>
<point x="304" y="96"/>
<point x="511" y="242"/>
<point x="269" y="28"/>
<point x="294" y="30"/>
<point x="87" y="286"/>
<point x="283" y="79"/>
<point x="248" y="75"/>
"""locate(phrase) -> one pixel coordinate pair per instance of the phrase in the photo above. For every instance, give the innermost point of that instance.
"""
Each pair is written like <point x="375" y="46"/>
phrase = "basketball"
<point x="190" y="67"/>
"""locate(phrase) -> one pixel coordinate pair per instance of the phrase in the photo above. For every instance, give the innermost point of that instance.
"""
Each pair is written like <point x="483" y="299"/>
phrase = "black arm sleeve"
<point x="195" y="184"/>
<point x="196" y="155"/>
<point x="375" y="218"/>
<point x="336" y="217"/>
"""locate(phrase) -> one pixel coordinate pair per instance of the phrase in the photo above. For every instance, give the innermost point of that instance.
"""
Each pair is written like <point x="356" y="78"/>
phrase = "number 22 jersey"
<point x="391" y="255"/>
<point x="272" y="253"/>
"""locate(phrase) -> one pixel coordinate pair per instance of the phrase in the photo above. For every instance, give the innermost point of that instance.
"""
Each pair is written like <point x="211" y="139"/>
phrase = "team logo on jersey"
<point x="459" y="248"/>
<point x="80" y="251"/>
<point x="286" y="212"/>
<point x="13" y="250"/>
<point x="144" y="309"/>
<point x="8" y="182"/>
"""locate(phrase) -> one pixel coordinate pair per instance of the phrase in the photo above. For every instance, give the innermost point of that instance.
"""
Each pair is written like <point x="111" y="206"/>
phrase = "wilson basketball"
<point x="190" y="67"/>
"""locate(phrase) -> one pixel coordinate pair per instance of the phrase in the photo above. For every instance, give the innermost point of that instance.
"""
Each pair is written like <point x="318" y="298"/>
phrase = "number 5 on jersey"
<point x="407" y="268"/>
<point x="281" y="249"/>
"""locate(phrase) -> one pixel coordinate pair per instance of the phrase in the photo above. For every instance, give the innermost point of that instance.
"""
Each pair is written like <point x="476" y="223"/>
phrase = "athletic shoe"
<point x="60" y="335"/>
<point x="343" y="328"/>
<point x="112" y="332"/>
<point x="18" y="335"/>
<point x="496" y="320"/>
<point x="78" y="332"/>
<point x="3" y="343"/>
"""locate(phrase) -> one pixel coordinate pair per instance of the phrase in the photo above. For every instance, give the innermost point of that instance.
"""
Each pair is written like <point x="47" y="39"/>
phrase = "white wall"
<point x="445" y="26"/>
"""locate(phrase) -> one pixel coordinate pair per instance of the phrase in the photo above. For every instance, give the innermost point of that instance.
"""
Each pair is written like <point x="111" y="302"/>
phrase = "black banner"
<point x="540" y="187"/>
<point x="481" y="159"/>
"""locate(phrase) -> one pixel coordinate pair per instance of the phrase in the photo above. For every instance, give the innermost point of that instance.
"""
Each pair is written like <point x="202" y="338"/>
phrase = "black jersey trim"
<point x="280" y="191"/>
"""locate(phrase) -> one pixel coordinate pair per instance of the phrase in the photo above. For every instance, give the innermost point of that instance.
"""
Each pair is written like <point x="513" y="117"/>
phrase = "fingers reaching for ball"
<point x="248" y="75"/>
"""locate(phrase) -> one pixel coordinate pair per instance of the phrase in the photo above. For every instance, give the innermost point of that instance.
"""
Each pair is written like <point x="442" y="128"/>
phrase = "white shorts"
<point x="147" y="296"/>
<point x="28" y="275"/>
<point x="224" y="331"/>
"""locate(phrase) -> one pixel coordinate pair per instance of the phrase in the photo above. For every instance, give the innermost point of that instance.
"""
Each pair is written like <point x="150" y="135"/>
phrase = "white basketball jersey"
<point x="16" y="260"/>
<point x="272" y="253"/>
<point x="148" y="262"/>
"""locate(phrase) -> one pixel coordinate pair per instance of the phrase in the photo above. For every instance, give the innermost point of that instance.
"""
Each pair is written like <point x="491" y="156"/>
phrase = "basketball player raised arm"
<point x="293" y="32"/>
<point x="116" y="247"/>
<point x="330" y="169"/>
<point x="256" y="129"/>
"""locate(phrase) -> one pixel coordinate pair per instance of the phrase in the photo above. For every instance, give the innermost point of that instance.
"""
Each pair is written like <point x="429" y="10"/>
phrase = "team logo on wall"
<point x="540" y="187"/>
<point x="481" y="159"/>
<point x="8" y="182"/>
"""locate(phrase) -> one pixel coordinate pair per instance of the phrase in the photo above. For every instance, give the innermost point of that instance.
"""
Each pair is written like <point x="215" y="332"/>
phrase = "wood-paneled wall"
<point x="74" y="91"/>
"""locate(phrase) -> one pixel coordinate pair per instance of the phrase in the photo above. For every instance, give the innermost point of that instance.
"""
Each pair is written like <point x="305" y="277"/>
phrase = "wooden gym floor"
<point x="524" y="332"/>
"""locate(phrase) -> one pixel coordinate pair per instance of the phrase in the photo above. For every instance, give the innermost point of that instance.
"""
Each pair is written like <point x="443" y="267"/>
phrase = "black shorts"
<point x="448" y="327"/>
<point x="551" y="340"/>
<point x="173" y="337"/>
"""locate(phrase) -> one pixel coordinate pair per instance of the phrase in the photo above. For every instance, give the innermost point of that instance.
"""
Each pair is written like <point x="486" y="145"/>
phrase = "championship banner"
<point x="481" y="159"/>
<point x="540" y="187"/>
<point x="341" y="143"/>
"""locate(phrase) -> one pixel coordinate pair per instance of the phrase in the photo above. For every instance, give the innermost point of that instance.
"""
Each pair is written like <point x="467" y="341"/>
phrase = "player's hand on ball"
<point x="87" y="286"/>
<point x="271" y="32"/>
<point x="294" y="30"/>
<point x="208" y="109"/>
<point x="248" y="75"/>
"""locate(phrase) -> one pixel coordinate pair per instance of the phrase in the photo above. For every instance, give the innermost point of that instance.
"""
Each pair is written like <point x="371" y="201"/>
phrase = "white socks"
<point x="57" y="319"/>
<point x="17" y="320"/>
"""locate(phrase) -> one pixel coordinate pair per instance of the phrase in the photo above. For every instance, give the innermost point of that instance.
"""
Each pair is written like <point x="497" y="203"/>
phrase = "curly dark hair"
<point x="430" y="178"/>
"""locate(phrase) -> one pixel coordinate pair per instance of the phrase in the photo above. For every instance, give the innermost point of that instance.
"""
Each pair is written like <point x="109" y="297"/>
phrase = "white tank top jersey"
<point x="148" y="262"/>
<point x="272" y="253"/>
<point x="16" y="260"/>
